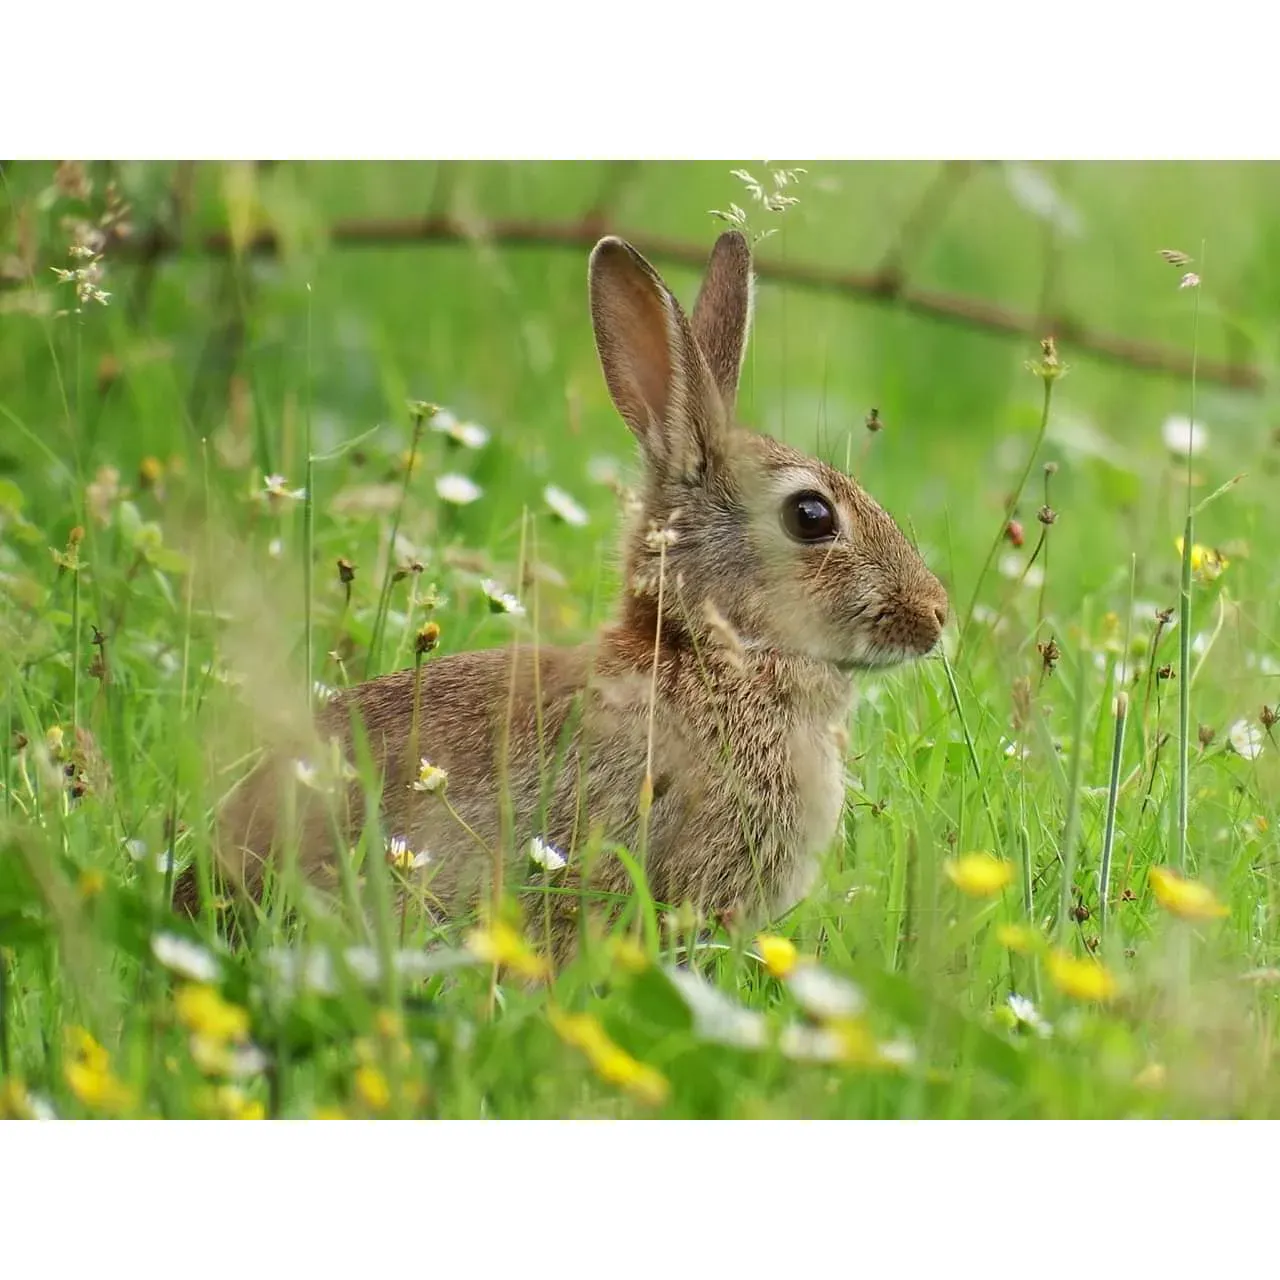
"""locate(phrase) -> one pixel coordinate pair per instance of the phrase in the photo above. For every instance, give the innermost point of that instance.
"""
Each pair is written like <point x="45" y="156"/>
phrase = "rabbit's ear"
<point x="722" y="314"/>
<point x="656" y="374"/>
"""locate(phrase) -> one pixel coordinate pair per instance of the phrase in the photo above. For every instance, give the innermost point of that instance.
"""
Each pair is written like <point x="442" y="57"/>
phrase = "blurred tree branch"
<point x="884" y="284"/>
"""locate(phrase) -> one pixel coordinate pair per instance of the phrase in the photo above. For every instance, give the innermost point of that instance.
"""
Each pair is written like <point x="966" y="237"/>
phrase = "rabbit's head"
<point x="791" y="553"/>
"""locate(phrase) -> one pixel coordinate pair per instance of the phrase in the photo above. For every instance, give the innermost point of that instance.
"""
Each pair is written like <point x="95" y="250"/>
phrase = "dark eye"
<point x="808" y="517"/>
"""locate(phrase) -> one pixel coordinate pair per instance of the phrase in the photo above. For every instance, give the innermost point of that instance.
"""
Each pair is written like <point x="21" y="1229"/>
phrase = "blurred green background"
<point x="499" y="332"/>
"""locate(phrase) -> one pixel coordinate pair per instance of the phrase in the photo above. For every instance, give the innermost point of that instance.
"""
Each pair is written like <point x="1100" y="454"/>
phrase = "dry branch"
<point x="884" y="286"/>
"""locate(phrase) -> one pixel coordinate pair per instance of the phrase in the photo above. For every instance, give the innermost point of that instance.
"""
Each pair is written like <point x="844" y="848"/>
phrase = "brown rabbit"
<point x="759" y="581"/>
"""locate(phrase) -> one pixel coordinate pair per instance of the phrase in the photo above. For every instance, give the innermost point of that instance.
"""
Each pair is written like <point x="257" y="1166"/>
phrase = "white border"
<point x="257" y="78"/>
<point x="643" y="1199"/>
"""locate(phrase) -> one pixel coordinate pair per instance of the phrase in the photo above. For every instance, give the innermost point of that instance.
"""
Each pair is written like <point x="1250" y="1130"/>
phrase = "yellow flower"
<point x="229" y="1103"/>
<point x="206" y="1014"/>
<point x="372" y="1088"/>
<point x="91" y="882"/>
<point x="779" y="954"/>
<point x="1206" y="563"/>
<point x="328" y="1113"/>
<point x="15" y="1102"/>
<point x="1081" y="979"/>
<point x="627" y="955"/>
<point x="1018" y="937"/>
<point x="89" y="1075"/>
<point x="499" y="943"/>
<point x="611" y="1062"/>
<point x="1187" y="899"/>
<point x="389" y="1024"/>
<point x="980" y="875"/>
<point x="82" y="1046"/>
<point x="1152" y="1076"/>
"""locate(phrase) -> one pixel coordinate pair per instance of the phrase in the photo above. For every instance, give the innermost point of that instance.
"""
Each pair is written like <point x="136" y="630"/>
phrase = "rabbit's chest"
<point x="815" y="772"/>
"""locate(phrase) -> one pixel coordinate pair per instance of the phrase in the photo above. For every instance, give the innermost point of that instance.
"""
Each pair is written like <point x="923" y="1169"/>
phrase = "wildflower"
<point x="227" y="1102"/>
<point x="1020" y="938"/>
<point x="500" y="601"/>
<point x="1050" y="366"/>
<point x="980" y="875"/>
<point x="545" y="855"/>
<point x="779" y="954"/>
<point x="1182" y="436"/>
<point x="658" y="539"/>
<point x="563" y="506"/>
<point x="427" y="638"/>
<point x="823" y="995"/>
<point x="1189" y="281"/>
<point x="91" y="882"/>
<point x="205" y="1013"/>
<point x="627" y="955"/>
<point x="15" y="1101"/>
<point x="1152" y="1076"/>
<point x="1206" y="563"/>
<point x="1011" y="566"/>
<point x="186" y="958"/>
<point x="402" y="857"/>
<point x="217" y="1058"/>
<point x="471" y="435"/>
<point x="329" y="1113"/>
<point x="276" y="491"/>
<point x="874" y="422"/>
<point x="500" y="944"/>
<point x="611" y="1062"/>
<point x="430" y="777"/>
<point x="1186" y="899"/>
<point x="1246" y="739"/>
<point x="372" y="1088"/>
<point x="457" y="489"/>
<point x="1025" y="1014"/>
<point x="89" y="1075"/>
<point x="1081" y="979"/>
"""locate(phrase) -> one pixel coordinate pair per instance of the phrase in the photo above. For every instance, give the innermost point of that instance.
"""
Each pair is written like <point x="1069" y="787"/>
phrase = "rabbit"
<point x="703" y="728"/>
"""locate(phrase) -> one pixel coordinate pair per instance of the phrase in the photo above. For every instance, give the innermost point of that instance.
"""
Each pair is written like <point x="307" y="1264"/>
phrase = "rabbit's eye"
<point x="808" y="517"/>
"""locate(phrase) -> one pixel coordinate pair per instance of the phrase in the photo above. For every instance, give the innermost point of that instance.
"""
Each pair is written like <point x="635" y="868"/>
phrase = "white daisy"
<point x="545" y="855"/>
<point x="184" y="957"/>
<point x="1011" y="567"/>
<point x="471" y="435"/>
<point x="401" y="856"/>
<point x="500" y="601"/>
<point x="276" y="489"/>
<point x="1246" y="739"/>
<point x="430" y="777"/>
<point x="1181" y="436"/>
<point x="824" y="995"/>
<point x="1025" y="1014"/>
<point x="564" y="507"/>
<point x="457" y="489"/>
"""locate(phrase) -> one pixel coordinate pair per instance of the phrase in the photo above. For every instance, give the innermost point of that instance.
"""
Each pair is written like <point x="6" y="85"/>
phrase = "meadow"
<point x="260" y="423"/>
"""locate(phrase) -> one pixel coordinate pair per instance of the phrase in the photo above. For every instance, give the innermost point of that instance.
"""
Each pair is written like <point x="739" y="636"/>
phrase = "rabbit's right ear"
<point x="722" y="313"/>
<point x="656" y="373"/>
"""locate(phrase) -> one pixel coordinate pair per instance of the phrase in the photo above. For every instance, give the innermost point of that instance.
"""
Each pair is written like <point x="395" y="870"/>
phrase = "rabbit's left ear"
<point x="722" y="314"/>
<point x="654" y="367"/>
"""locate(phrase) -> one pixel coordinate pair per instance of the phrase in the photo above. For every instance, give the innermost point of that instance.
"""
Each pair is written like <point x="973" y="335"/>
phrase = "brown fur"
<point x="740" y="706"/>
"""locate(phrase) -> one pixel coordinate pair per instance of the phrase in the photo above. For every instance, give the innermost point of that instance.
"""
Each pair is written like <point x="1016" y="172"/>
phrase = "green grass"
<point x="197" y="382"/>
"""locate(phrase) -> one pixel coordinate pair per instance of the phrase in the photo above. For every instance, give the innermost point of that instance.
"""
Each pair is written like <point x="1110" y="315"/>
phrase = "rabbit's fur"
<point x="726" y="675"/>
